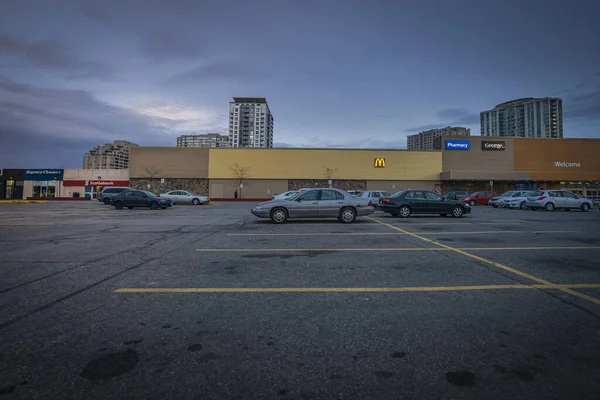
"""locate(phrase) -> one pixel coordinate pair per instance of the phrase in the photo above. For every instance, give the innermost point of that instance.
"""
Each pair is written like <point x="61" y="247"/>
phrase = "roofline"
<point x="250" y="100"/>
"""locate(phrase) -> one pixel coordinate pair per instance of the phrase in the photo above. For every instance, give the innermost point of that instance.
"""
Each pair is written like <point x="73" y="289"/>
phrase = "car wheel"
<point x="279" y="215"/>
<point x="472" y="202"/>
<point x="131" y="208"/>
<point x="154" y="206"/>
<point x="347" y="215"/>
<point x="119" y="205"/>
<point x="549" y="207"/>
<point x="443" y="215"/>
<point x="457" y="212"/>
<point x="195" y="202"/>
<point x="404" y="211"/>
<point x="585" y="207"/>
<point x="106" y="201"/>
<point x="534" y="208"/>
<point x="523" y="205"/>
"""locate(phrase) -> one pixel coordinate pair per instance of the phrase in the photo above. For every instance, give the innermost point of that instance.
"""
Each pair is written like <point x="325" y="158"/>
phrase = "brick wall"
<point x="296" y="184"/>
<point x="195" y="186"/>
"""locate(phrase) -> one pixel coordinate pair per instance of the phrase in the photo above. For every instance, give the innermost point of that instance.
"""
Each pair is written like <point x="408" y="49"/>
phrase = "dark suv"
<point x="139" y="198"/>
<point x="107" y="193"/>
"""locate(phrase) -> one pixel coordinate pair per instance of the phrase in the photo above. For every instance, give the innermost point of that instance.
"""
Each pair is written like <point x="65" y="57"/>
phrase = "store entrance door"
<point x="593" y="195"/>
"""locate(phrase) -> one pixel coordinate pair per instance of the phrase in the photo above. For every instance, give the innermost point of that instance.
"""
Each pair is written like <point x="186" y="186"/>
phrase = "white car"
<point x="519" y="201"/>
<point x="284" y="195"/>
<point x="185" y="197"/>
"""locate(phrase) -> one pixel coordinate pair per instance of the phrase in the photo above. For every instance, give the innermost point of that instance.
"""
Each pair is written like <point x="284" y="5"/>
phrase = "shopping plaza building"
<point x="467" y="163"/>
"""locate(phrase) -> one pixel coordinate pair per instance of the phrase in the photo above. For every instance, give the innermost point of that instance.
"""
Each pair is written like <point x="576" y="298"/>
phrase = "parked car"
<point x="407" y="202"/>
<point x="478" y="198"/>
<point x="555" y="199"/>
<point x="139" y="198"/>
<point x="284" y="195"/>
<point x="455" y="195"/>
<point x="185" y="197"/>
<point x="501" y="201"/>
<point x="519" y="201"/>
<point x="316" y="203"/>
<point x="106" y="193"/>
<point x="374" y="196"/>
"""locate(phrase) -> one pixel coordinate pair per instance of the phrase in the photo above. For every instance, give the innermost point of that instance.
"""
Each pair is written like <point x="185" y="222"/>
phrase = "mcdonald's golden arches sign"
<point x="380" y="162"/>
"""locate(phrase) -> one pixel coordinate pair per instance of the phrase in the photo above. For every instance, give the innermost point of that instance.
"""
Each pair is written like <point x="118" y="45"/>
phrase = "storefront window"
<point x="44" y="188"/>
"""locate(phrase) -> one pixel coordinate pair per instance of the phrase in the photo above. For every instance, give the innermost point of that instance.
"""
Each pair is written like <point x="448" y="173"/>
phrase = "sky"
<point x="336" y="73"/>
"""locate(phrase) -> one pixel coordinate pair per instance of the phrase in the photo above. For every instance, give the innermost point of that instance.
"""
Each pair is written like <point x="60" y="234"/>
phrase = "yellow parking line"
<point x="495" y="264"/>
<point x="357" y="289"/>
<point x="456" y="249"/>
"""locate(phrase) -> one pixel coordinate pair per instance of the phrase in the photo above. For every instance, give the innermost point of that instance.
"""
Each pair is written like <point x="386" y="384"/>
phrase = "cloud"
<point x="162" y="45"/>
<point x="420" y="128"/>
<point x="451" y="117"/>
<point x="73" y="121"/>
<point x="583" y="106"/>
<point x="459" y="116"/>
<point x="218" y="70"/>
<point x="51" y="55"/>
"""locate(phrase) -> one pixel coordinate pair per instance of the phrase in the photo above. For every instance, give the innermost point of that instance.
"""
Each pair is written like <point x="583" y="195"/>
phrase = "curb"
<point x="23" y="201"/>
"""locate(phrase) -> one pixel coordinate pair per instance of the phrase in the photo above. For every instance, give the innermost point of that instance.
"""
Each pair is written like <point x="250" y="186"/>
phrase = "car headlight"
<point x="258" y="207"/>
<point x="467" y="204"/>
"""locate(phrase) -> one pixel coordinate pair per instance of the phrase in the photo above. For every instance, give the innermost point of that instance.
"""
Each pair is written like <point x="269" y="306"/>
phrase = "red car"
<point x="478" y="198"/>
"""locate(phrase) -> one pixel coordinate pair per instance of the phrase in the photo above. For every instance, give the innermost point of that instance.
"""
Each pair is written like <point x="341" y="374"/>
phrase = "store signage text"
<point x="96" y="183"/>
<point x="458" y="145"/>
<point x="379" y="162"/>
<point x="497" y="146"/>
<point x="563" y="164"/>
<point x="44" y="174"/>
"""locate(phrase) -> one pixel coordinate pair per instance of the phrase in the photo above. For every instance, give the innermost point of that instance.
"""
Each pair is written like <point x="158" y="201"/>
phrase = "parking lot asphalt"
<point x="211" y="302"/>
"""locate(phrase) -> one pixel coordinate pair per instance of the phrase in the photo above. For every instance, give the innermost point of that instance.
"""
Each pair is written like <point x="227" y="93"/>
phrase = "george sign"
<point x="496" y="146"/>
<point x="44" y="174"/>
<point x="564" y="164"/>
<point x="458" y="145"/>
<point x="96" y="183"/>
<point x="379" y="162"/>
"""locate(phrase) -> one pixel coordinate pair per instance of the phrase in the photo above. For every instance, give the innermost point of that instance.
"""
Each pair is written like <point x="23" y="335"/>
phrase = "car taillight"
<point x="386" y="201"/>
<point x="541" y="198"/>
<point x="158" y="195"/>
<point x="370" y="204"/>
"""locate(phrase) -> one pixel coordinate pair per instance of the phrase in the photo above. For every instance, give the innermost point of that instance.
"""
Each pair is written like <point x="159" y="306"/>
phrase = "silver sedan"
<point x="315" y="203"/>
<point x="185" y="197"/>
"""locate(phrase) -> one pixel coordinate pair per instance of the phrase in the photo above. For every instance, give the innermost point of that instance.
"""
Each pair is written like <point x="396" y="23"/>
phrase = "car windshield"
<point x="398" y="194"/>
<point x="507" y="194"/>
<point x="385" y="194"/>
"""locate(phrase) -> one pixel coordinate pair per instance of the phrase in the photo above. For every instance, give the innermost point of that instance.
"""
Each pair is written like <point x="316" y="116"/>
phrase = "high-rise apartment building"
<point x="425" y="140"/>
<point x="250" y="122"/>
<point x="205" y="140"/>
<point x="109" y="156"/>
<point x="528" y="117"/>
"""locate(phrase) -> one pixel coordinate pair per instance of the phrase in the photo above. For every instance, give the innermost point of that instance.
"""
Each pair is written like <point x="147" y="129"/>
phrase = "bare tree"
<point x="329" y="173"/>
<point x="152" y="172"/>
<point x="240" y="174"/>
